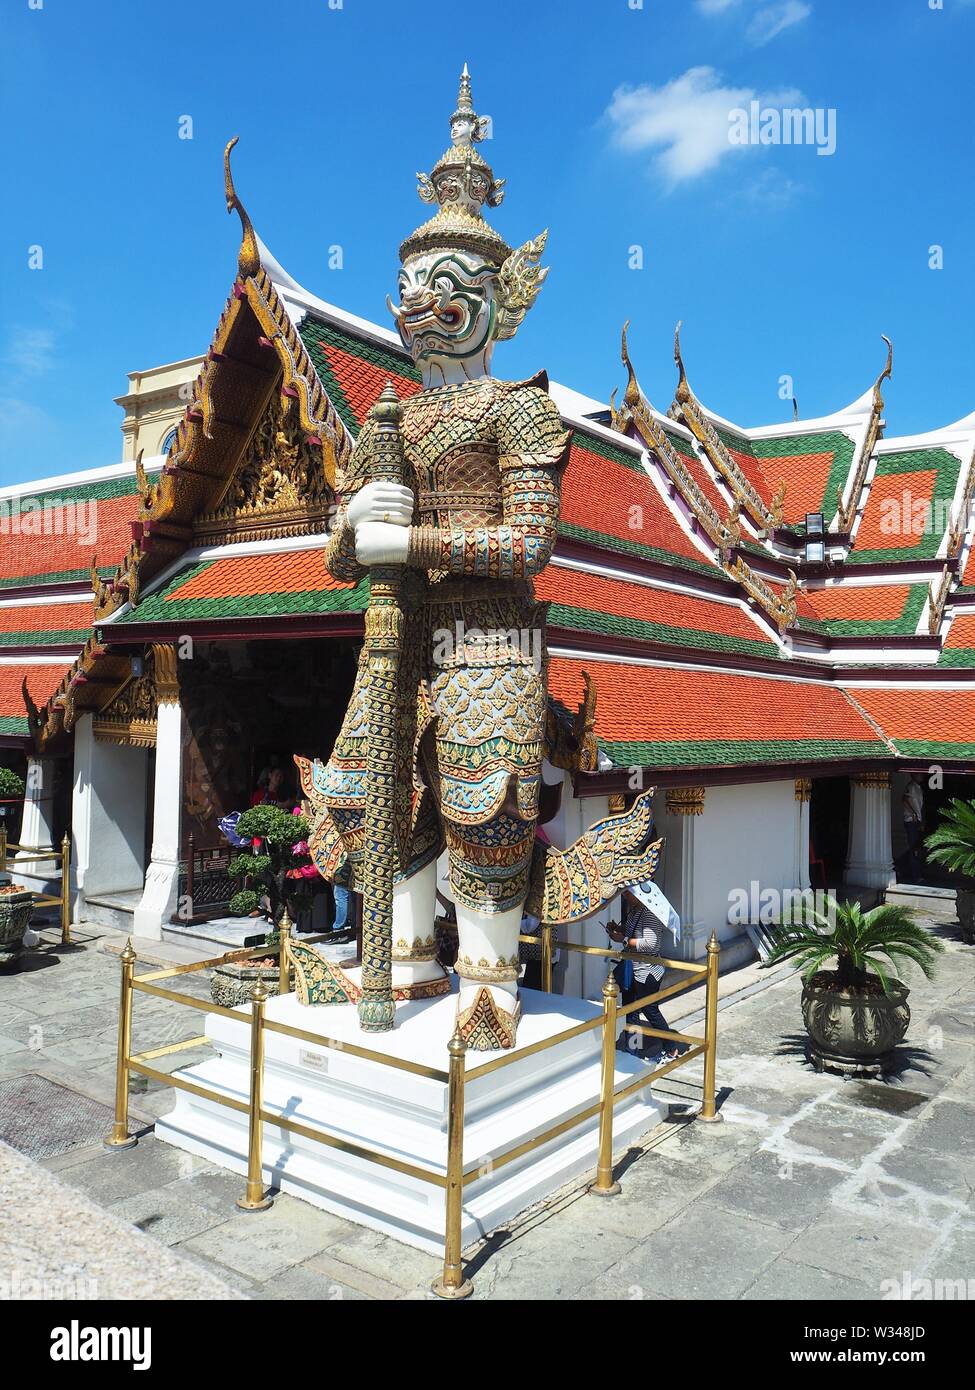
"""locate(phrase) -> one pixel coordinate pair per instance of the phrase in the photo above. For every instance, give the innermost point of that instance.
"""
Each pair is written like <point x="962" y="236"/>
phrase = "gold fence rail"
<point x="28" y="854"/>
<point x="454" y="1177"/>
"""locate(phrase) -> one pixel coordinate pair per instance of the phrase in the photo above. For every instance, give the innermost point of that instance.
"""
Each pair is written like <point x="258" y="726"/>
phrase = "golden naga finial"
<point x="683" y="392"/>
<point x="878" y="400"/>
<point x="141" y="479"/>
<point x="777" y="508"/>
<point x="631" y="396"/>
<point x="35" y="719"/>
<point x="248" y="257"/>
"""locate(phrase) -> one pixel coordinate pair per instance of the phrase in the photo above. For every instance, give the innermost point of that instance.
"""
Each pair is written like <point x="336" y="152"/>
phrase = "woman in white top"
<point x="640" y="931"/>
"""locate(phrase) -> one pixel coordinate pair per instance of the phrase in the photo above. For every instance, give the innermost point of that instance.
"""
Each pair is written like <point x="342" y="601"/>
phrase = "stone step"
<point x="150" y="952"/>
<point x="935" y="902"/>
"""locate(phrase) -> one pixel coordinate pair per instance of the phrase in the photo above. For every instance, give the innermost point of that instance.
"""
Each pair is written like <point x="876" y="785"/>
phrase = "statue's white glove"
<point x="384" y="502"/>
<point x="381" y="543"/>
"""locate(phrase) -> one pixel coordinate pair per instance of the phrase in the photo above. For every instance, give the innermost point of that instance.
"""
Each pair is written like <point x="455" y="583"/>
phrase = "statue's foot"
<point x="484" y="1022"/>
<point x="410" y="975"/>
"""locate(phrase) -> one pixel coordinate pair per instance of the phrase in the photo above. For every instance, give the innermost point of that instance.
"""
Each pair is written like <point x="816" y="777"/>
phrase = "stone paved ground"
<point x="813" y="1187"/>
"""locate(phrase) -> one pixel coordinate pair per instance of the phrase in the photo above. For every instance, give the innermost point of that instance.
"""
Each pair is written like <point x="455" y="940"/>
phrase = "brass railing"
<point x="27" y="854"/>
<point x="455" y="1177"/>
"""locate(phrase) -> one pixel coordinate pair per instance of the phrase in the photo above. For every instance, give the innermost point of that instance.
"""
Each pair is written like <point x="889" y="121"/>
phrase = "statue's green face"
<point x="447" y="307"/>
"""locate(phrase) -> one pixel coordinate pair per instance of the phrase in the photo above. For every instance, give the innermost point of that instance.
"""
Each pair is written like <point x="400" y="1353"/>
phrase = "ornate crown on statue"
<point x="460" y="184"/>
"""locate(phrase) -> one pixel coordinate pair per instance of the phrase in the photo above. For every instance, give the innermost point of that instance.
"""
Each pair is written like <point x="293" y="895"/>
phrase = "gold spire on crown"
<point x="461" y="182"/>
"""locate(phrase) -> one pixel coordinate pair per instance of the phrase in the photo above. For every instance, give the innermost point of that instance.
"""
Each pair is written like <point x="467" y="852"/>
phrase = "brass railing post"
<point x="119" y="1138"/>
<point x="604" y="1186"/>
<point x="547" y="958"/>
<point x="284" y="935"/>
<point x="451" y="1283"/>
<point x="66" y="889"/>
<point x="254" y="1198"/>
<point x="707" y="1111"/>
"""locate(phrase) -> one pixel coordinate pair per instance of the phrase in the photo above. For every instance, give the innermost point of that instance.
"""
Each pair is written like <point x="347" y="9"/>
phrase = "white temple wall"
<point x="108" y="815"/>
<point x="724" y="846"/>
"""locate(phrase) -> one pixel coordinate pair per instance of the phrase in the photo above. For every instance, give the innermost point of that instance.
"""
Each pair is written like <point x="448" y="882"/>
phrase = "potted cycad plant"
<point x="271" y="871"/>
<point x="953" y="845"/>
<point x="857" y="1012"/>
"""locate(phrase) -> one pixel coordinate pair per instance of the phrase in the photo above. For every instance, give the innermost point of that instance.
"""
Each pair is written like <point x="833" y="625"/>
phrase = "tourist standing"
<point x="640" y="931"/>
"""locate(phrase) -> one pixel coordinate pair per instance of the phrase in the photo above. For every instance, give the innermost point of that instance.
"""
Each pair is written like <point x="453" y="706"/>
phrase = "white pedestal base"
<point x="405" y="1116"/>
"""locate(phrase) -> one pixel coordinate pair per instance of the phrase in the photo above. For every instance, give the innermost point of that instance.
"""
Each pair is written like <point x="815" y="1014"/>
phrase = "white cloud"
<point x="772" y="190"/>
<point x="773" y="19"/>
<point x="685" y="122"/>
<point x="768" y="22"/>
<point x="29" y="351"/>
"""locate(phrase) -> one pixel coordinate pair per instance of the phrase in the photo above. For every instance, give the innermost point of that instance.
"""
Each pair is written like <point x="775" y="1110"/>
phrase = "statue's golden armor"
<point x="485" y="460"/>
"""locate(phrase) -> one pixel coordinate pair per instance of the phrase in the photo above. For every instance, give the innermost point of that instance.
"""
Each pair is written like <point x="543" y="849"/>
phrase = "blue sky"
<point x="611" y="128"/>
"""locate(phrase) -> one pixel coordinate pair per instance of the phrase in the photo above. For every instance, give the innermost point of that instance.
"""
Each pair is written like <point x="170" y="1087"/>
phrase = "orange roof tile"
<point x="42" y="681"/>
<point x="892" y="519"/>
<point x="79" y="529"/>
<point x="46" y="617"/>
<point x="604" y="496"/>
<point x="362" y="381"/>
<point x="921" y="720"/>
<point x="663" y="713"/>
<point x="961" y="633"/>
<point x="602" y="594"/>
<point x="864" y="602"/>
<point x="242" y="576"/>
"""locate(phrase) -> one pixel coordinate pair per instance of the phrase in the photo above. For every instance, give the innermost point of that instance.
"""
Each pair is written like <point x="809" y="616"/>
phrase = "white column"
<point x="162" y="877"/>
<point x="870" y="859"/>
<point x="803" y="795"/>
<point x="36" y="831"/>
<point x="685" y="806"/>
<point x="107" y="816"/>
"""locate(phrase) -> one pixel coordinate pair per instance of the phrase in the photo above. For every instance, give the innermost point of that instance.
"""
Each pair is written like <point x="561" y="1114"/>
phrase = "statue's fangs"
<point x="468" y="724"/>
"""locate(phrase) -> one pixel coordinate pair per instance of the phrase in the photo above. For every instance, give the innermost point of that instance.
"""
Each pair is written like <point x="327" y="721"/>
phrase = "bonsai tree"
<point x="11" y="786"/>
<point x="865" y="946"/>
<point x="953" y="842"/>
<point x="11" y="789"/>
<point x="276" y="866"/>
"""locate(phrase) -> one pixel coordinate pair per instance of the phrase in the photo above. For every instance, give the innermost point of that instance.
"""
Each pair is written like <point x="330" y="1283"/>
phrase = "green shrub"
<point x="11" y="786"/>
<point x="242" y="904"/>
<point x="244" y="864"/>
<point x="953" y="842"/>
<point x="279" y="834"/>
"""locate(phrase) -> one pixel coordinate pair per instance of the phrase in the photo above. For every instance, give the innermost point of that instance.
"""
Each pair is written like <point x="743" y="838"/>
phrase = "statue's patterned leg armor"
<point x="489" y="697"/>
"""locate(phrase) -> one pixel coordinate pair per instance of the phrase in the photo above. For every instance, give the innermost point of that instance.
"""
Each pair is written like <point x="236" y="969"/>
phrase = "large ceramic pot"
<point x="854" y="1032"/>
<point x="15" y="910"/>
<point x="231" y="984"/>
<point x="965" y="901"/>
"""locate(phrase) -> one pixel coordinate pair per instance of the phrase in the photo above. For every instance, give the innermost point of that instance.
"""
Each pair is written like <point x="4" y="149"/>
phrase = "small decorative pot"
<point x="854" y="1033"/>
<point x="965" y="901"/>
<point x="15" y="913"/>
<point x="231" y="984"/>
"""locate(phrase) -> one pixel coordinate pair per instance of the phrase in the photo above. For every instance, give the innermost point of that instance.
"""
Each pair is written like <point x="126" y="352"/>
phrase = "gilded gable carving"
<point x="279" y="487"/>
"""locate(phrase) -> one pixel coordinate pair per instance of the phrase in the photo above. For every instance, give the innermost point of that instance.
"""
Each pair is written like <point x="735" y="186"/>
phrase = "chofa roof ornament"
<point x="461" y="183"/>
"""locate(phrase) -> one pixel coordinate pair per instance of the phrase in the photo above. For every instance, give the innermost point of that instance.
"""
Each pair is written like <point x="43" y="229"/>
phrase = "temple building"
<point x="774" y="626"/>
